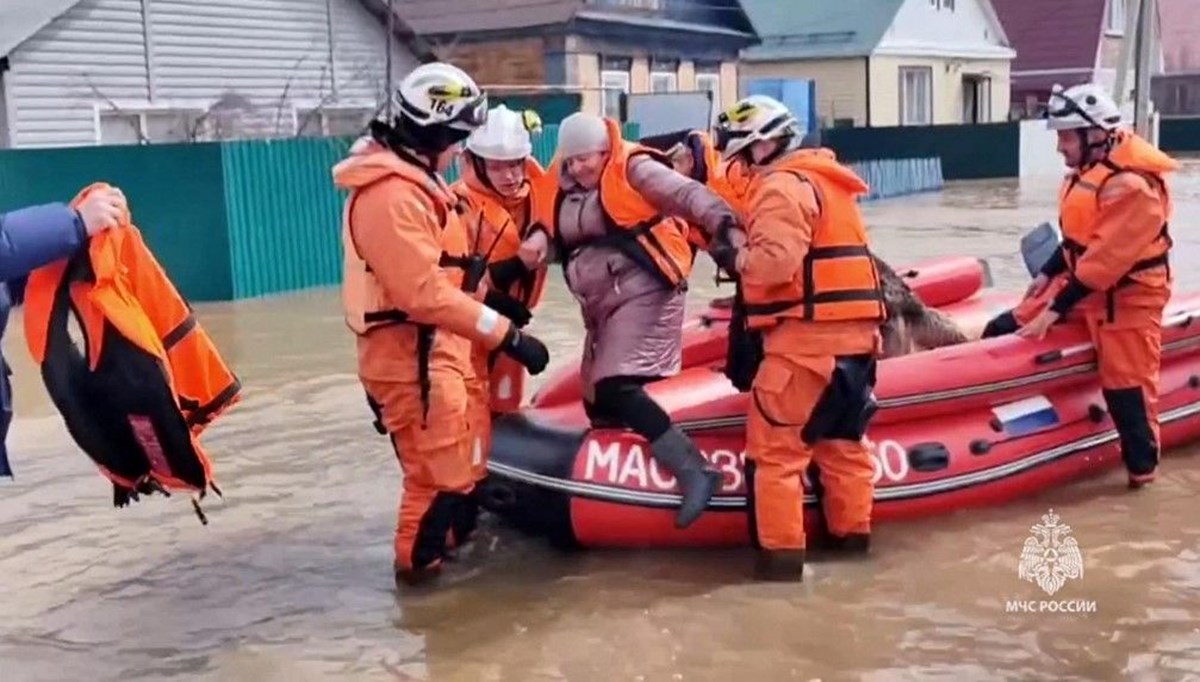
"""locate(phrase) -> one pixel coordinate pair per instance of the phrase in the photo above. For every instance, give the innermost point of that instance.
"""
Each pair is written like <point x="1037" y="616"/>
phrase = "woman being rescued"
<point x="408" y="292"/>
<point x="497" y="174"/>
<point x="616" y="214"/>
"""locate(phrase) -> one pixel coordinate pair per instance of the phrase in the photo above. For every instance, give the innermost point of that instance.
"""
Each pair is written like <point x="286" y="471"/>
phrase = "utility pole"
<point x="391" y="32"/>
<point x="1142" y="114"/>
<point x="1140" y="26"/>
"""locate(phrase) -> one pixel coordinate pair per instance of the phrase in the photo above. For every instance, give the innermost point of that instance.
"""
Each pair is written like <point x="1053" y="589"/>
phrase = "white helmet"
<point x="505" y="135"/>
<point x="440" y="93"/>
<point x="1082" y="106"/>
<point x="753" y="118"/>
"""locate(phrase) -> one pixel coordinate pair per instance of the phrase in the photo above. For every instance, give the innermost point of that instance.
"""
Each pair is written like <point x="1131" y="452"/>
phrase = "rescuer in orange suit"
<point x="1112" y="266"/>
<point x="408" y="272"/>
<point x="496" y="186"/>
<point x="808" y="286"/>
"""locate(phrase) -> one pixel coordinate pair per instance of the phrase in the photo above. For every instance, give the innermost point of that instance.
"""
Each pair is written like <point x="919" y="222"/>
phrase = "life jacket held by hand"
<point x="149" y="379"/>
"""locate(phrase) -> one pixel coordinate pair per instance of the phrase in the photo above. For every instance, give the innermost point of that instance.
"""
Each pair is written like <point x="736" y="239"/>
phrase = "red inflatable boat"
<point x="958" y="285"/>
<point x="971" y="425"/>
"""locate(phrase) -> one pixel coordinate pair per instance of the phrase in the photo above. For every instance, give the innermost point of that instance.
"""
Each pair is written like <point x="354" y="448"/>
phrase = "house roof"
<point x="810" y="30"/>
<point x="23" y="18"/>
<point x="437" y="17"/>
<point x="445" y="17"/>
<point x="1180" y="22"/>
<point x="1054" y="36"/>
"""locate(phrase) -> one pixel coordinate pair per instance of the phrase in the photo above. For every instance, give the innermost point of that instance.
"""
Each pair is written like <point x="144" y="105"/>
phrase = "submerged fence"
<point x="234" y="220"/>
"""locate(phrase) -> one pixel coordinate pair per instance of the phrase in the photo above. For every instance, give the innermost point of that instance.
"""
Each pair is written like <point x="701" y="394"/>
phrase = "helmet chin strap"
<point x="1094" y="152"/>
<point x="782" y="145"/>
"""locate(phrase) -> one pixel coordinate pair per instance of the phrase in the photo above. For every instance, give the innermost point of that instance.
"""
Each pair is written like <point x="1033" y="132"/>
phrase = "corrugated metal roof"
<point x="1063" y="34"/>
<point x="22" y="18"/>
<point x="438" y="17"/>
<point x="818" y="29"/>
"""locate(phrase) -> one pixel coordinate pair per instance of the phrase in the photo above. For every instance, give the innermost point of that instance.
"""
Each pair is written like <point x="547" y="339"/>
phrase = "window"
<point x="977" y="99"/>
<point x="148" y="126"/>
<point x="333" y="120"/>
<point x="662" y="82"/>
<point x="1114" y="23"/>
<point x="711" y="82"/>
<point x="638" y="4"/>
<point x="916" y="95"/>
<point x="614" y="80"/>
<point x="663" y="76"/>
<point x="948" y="4"/>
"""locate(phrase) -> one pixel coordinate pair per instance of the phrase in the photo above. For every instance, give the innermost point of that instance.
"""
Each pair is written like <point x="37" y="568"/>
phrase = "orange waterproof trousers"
<point x="805" y="409"/>
<point x="479" y="412"/>
<point x="492" y="391"/>
<point x="1128" y="356"/>
<point x="435" y="457"/>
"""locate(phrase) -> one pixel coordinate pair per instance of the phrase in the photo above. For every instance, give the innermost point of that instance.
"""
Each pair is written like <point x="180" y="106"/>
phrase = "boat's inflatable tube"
<point x="971" y="425"/>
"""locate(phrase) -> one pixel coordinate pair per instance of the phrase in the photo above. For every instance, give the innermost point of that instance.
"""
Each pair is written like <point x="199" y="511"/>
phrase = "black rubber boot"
<point x="853" y="543"/>
<point x="466" y="521"/>
<point x="779" y="565"/>
<point x="698" y="480"/>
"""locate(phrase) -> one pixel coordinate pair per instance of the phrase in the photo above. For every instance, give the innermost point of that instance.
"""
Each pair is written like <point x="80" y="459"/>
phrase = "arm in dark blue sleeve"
<point x="34" y="236"/>
<point x="1056" y="264"/>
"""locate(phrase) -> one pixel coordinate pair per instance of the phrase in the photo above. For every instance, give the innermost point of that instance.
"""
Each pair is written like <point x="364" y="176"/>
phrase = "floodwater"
<point x="292" y="578"/>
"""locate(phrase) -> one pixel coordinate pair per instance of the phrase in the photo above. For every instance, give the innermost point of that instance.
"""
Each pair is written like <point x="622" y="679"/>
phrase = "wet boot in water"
<point x="779" y="565"/>
<point x="851" y="544"/>
<point x="697" y="479"/>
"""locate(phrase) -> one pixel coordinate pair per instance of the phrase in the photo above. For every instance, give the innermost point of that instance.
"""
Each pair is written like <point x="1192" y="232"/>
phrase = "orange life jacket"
<point x="366" y="303"/>
<point x="838" y="279"/>
<point x="494" y="234"/>
<point x="1080" y="217"/>
<point x="150" y="379"/>
<point x="655" y="242"/>
<point x="716" y="178"/>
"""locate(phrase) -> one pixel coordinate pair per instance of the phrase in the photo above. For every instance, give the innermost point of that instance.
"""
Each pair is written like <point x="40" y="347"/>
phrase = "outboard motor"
<point x="1038" y="245"/>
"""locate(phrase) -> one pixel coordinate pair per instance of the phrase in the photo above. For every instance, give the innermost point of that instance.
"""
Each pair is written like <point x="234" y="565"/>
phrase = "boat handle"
<point x="1177" y="320"/>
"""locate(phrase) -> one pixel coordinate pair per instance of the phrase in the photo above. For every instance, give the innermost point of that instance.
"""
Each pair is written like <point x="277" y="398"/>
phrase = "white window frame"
<point x="983" y="98"/>
<point x="714" y="81"/>
<point x="301" y="108"/>
<point x="665" y="78"/>
<point x="925" y="72"/>
<point x="1115" y="17"/>
<point x="141" y="109"/>
<point x="636" y="4"/>
<point x="612" y="80"/>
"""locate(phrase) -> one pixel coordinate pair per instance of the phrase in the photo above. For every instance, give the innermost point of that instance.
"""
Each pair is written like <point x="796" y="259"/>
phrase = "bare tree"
<point x="114" y="107"/>
<point x="287" y="88"/>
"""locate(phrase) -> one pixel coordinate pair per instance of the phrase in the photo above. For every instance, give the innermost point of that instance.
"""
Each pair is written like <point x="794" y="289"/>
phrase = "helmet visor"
<point x="472" y="115"/>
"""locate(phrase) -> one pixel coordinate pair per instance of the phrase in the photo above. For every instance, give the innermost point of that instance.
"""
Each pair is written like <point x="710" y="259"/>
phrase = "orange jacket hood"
<point x="824" y="163"/>
<point x="1133" y="151"/>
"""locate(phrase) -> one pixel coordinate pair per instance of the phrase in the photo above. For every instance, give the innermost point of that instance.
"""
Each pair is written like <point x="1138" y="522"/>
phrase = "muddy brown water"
<point x="291" y="580"/>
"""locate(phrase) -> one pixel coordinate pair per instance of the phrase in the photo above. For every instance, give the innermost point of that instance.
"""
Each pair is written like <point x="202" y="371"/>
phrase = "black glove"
<point x="722" y="251"/>
<point x="506" y="272"/>
<point x="724" y="255"/>
<point x="508" y="306"/>
<point x="525" y="349"/>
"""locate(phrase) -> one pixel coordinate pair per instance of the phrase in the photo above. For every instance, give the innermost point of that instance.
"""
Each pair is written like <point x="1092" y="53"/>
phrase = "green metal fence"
<point x="227" y="220"/>
<point x="176" y="193"/>
<point x="236" y="220"/>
